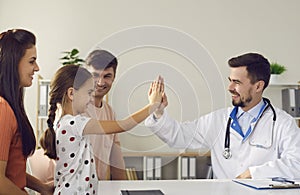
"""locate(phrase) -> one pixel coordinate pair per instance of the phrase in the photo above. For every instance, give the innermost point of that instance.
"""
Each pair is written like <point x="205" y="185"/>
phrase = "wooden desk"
<point x="189" y="187"/>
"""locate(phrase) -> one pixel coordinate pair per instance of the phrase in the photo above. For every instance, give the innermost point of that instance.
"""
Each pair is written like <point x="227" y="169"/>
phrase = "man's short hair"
<point x="101" y="59"/>
<point x="258" y="67"/>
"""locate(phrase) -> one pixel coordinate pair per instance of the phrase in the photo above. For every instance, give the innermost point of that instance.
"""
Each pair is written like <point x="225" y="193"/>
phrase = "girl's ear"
<point x="70" y="93"/>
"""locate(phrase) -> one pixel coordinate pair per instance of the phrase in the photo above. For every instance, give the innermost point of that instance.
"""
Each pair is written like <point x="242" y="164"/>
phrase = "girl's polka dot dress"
<point x="75" y="171"/>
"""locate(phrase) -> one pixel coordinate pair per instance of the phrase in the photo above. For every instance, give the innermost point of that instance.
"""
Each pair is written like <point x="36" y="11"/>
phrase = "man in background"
<point x="107" y="152"/>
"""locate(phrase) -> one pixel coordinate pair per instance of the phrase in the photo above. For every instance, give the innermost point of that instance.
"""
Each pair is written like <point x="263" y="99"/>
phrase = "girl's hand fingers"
<point x="156" y="86"/>
<point x="150" y="90"/>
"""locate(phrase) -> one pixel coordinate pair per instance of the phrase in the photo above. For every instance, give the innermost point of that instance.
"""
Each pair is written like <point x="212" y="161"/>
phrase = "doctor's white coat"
<point x="267" y="152"/>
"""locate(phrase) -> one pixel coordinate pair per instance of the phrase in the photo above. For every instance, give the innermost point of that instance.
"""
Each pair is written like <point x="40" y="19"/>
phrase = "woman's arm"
<point x="36" y="185"/>
<point x="7" y="186"/>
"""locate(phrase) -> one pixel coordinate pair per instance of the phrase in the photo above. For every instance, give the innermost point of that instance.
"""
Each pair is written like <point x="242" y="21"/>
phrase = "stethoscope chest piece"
<point x="227" y="153"/>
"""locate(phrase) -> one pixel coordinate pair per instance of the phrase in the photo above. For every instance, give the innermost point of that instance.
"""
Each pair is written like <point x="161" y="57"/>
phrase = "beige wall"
<point x="220" y="30"/>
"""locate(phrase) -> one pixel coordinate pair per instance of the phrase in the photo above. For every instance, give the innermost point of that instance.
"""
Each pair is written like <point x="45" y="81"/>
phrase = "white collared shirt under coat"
<point x="282" y="159"/>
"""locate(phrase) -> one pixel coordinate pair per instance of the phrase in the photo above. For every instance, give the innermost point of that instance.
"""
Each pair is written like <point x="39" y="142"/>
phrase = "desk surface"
<point x="203" y="152"/>
<point x="189" y="187"/>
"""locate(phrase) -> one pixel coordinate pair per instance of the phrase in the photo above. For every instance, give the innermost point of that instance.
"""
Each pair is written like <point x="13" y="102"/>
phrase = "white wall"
<point x="218" y="30"/>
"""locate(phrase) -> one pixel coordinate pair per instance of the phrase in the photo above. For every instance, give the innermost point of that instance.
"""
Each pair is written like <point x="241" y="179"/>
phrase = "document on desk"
<point x="264" y="184"/>
<point x="141" y="192"/>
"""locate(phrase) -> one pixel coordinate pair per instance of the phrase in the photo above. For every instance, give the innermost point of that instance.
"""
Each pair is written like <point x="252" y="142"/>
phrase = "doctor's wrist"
<point x="157" y="115"/>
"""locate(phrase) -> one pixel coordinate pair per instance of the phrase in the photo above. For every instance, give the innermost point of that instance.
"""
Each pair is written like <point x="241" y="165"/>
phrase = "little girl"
<point x="71" y="88"/>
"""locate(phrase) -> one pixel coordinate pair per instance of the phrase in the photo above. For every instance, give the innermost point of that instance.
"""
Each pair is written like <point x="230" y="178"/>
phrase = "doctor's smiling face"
<point x="244" y="93"/>
<point x="249" y="76"/>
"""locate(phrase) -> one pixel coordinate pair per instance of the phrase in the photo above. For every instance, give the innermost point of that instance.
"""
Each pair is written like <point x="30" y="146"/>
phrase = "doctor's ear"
<point x="70" y="93"/>
<point x="260" y="86"/>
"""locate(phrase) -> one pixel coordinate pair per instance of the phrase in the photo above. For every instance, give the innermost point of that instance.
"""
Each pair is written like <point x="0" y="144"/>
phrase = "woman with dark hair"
<point x="17" y="140"/>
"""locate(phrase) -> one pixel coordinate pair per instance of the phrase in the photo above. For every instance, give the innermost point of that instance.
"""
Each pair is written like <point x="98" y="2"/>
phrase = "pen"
<point x="280" y="186"/>
<point x="282" y="180"/>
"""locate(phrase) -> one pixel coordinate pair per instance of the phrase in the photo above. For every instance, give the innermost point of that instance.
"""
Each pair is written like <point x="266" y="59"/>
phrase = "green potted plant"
<point x="71" y="57"/>
<point x="276" y="70"/>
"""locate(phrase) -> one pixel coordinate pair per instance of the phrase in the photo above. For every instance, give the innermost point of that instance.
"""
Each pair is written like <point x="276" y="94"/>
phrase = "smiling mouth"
<point x="100" y="88"/>
<point x="235" y="96"/>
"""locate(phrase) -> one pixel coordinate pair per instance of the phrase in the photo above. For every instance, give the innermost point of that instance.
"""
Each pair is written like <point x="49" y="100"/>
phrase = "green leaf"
<point x="277" y="68"/>
<point x="74" y="52"/>
<point x="71" y="57"/>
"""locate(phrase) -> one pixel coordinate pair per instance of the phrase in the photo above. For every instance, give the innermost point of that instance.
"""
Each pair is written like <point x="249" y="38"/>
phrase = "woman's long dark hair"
<point x="13" y="45"/>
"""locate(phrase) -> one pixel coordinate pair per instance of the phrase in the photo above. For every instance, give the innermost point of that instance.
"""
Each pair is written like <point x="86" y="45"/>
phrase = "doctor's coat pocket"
<point x="262" y="136"/>
<point x="263" y="145"/>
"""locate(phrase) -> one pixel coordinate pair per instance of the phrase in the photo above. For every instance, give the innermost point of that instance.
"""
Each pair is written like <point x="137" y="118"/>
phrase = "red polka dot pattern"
<point x="75" y="171"/>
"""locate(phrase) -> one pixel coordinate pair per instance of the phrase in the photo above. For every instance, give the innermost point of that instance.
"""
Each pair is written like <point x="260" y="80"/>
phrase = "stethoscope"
<point x="227" y="153"/>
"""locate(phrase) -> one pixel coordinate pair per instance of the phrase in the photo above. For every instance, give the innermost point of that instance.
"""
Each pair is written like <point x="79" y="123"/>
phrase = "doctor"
<point x="250" y="140"/>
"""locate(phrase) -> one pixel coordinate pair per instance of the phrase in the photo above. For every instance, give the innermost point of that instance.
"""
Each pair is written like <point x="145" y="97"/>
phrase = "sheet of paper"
<point x="261" y="184"/>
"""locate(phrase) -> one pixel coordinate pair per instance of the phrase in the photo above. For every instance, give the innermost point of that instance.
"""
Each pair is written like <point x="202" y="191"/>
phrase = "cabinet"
<point x="274" y="91"/>
<point x="168" y="166"/>
<point x="42" y="107"/>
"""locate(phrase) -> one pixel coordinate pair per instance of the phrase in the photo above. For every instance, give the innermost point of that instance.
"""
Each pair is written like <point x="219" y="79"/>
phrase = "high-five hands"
<point x="155" y="91"/>
<point x="159" y="84"/>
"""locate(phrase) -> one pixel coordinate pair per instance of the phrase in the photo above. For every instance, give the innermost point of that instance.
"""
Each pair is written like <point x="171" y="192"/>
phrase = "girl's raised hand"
<point x="156" y="91"/>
